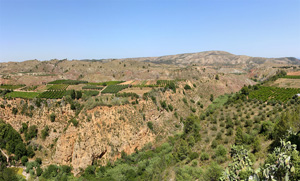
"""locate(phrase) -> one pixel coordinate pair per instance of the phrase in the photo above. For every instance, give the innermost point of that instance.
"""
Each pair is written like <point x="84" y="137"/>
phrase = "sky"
<point x="96" y="29"/>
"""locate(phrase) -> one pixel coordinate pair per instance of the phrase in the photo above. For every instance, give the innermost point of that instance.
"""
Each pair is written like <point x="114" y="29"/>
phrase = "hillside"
<point x="162" y="118"/>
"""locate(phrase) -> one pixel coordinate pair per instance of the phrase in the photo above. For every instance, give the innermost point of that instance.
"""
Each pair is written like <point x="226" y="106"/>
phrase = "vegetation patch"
<point x="30" y="88"/>
<point x="273" y="93"/>
<point x="69" y="82"/>
<point x="52" y="94"/>
<point x="91" y="93"/>
<point x="8" y="86"/>
<point x="106" y="83"/>
<point x="59" y="87"/>
<point x="92" y="87"/>
<point x="114" y="88"/>
<point x="24" y="95"/>
<point x="292" y="77"/>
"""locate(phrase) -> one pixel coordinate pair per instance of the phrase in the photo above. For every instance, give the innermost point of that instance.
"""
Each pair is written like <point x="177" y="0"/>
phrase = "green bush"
<point x="24" y="160"/>
<point x="52" y="117"/>
<point x="45" y="132"/>
<point x="150" y="125"/>
<point x="220" y="151"/>
<point x="187" y="87"/>
<point x="204" y="156"/>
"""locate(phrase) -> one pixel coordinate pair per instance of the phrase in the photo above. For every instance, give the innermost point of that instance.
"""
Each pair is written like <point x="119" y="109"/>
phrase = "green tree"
<point x="24" y="160"/>
<point x="187" y="87"/>
<point x="213" y="172"/>
<point x="181" y="150"/>
<point x="211" y="97"/>
<point x="20" y="150"/>
<point x="52" y="117"/>
<point x="78" y="94"/>
<point x="45" y="132"/>
<point x="245" y="90"/>
<point x="256" y="145"/>
<point x="73" y="94"/>
<point x="239" y="139"/>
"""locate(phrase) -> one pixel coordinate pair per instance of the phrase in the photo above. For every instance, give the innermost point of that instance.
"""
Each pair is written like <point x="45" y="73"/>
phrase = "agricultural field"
<point x="92" y="87"/>
<point x="144" y="83"/>
<point x="106" y="83"/>
<point x="273" y="93"/>
<point x="52" y="94"/>
<point x="25" y="95"/>
<point x="59" y="87"/>
<point x="30" y="88"/>
<point x="138" y="90"/>
<point x="114" y="89"/>
<point x="90" y="92"/>
<point x="8" y="86"/>
<point x="292" y="77"/>
<point x="69" y="82"/>
<point x="165" y="82"/>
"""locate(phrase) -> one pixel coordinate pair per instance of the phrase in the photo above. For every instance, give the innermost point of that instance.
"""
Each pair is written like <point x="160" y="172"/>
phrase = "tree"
<point x="181" y="150"/>
<point x="20" y="150"/>
<point x="39" y="171"/>
<point x="214" y="172"/>
<point x="256" y="145"/>
<point x="24" y="160"/>
<point x="78" y="94"/>
<point x="73" y="94"/>
<point x="38" y="160"/>
<point x="150" y="125"/>
<point x="211" y="97"/>
<point x="14" y="110"/>
<point x="220" y="151"/>
<point x="187" y="87"/>
<point x="239" y="139"/>
<point x="32" y="132"/>
<point x="217" y="77"/>
<point x="45" y="132"/>
<point x="245" y="90"/>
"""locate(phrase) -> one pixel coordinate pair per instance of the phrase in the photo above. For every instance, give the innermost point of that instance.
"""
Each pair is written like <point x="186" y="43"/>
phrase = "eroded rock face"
<point x="102" y="139"/>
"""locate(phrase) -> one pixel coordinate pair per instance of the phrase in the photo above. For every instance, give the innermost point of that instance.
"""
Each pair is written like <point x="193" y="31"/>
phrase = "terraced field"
<point x="25" y="95"/>
<point x="273" y="93"/>
<point x="59" y="87"/>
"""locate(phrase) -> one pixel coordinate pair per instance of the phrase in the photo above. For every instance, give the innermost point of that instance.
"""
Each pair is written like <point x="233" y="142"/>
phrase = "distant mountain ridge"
<point x="215" y="58"/>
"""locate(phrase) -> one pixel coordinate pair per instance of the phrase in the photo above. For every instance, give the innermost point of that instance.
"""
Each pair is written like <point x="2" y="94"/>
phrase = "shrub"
<point x="213" y="172"/>
<point x="214" y="144"/>
<point x="220" y="151"/>
<point x="24" y="160"/>
<point x="45" y="132"/>
<point x="74" y="122"/>
<point x="38" y="160"/>
<point x="14" y="110"/>
<point x="52" y="117"/>
<point x="187" y="87"/>
<point x="204" y="156"/>
<point x="150" y="125"/>
<point x="193" y="155"/>
<point x="31" y="133"/>
<point x="39" y="171"/>
<point x="170" y="107"/>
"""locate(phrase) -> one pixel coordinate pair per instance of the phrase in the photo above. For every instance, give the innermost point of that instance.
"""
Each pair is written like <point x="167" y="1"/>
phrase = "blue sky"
<point x="79" y="29"/>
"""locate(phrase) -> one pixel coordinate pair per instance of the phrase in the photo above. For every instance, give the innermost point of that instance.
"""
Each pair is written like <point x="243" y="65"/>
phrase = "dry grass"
<point x="293" y="73"/>
<point x="286" y="83"/>
<point x="137" y="90"/>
